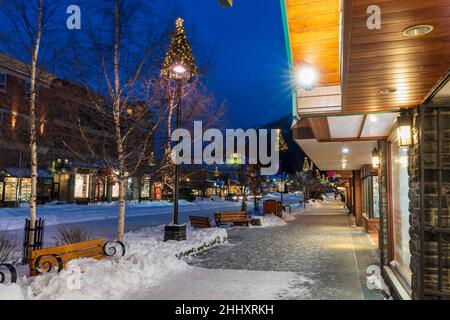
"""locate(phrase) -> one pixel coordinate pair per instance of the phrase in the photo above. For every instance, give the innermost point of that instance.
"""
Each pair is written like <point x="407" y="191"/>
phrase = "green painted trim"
<point x="289" y="55"/>
<point x="349" y="114"/>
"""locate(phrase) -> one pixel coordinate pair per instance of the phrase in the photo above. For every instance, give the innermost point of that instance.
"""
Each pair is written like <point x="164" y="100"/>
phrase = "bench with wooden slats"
<point x="235" y="217"/>
<point x="56" y="258"/>
<point x="200" y="222"/>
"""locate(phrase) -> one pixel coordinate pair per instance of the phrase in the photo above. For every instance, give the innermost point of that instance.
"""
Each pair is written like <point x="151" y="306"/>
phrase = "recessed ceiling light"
<point x="345" y="150"/>
<point x="418" y="30"/>
<point x="373" y="118"/>
<point x="387" y="91"/>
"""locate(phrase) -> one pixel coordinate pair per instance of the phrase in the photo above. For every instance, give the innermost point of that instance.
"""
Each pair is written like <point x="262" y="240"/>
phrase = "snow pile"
<point x="271" y="221"/>
<point x="313" y="204"/>
<point x="148" y="261"/>
<point x="288" y="217"/>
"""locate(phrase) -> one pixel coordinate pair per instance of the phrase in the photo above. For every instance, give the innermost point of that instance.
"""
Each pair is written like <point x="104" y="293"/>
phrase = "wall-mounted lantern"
<point x="376" y="159"/>
<point x="404" y="132"/>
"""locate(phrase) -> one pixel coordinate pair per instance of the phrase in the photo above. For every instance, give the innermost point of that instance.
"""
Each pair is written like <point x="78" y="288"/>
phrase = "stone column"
<point x="384" y="214"/>
<point x="433" y="197"/>
<point x="358" y="198"/>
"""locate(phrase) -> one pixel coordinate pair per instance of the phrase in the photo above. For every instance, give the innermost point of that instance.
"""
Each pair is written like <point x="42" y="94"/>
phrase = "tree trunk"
<point x="117" y="123"/>
<point x="121" y="222"/>
<point x="33" y="136"/>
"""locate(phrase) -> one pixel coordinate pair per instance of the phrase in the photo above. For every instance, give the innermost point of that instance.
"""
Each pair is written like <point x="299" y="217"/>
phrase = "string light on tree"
<point x="179" y="61"/>
<point x="282" y="146"/>
<point x="306" y="166"/>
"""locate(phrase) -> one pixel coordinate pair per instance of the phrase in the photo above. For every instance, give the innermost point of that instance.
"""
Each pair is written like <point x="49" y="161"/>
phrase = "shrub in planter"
<point x="9" y="249"/>
<point x="72" y="234"/>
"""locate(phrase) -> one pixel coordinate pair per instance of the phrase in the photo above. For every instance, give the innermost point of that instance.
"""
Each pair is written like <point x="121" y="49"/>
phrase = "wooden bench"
<point x="235" y="217"/>
<point x="200" y="222"/>
<point x="56" y="258"/>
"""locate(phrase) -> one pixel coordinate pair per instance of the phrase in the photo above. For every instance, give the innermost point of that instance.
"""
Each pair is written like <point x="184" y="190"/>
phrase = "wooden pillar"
<point x="358" y="197"/>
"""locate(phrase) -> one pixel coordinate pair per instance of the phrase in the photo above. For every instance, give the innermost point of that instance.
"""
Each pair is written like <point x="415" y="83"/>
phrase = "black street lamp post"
<point x="177" y="167"/>
<point x="178" y="65"/>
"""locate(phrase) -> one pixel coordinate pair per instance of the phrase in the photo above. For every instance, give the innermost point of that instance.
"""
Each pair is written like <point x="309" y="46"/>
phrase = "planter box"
<point x="177" y="233"/>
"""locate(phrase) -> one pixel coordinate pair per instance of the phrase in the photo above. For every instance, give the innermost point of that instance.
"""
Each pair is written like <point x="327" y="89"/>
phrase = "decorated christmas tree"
<point x="282" y="146"/>
<point x="179" y="54"/>
<point x="306" y="167"/>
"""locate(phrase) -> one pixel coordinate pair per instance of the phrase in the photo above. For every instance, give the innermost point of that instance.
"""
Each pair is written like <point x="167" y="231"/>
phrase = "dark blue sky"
<point x="246" y="42"/>
<point x="250" y="69"/>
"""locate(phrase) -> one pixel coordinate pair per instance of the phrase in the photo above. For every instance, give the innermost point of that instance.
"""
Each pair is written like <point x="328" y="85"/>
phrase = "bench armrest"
<point x="110" y="248"/>
<point x="38" y="265"/>
<point x="11" y="270"/>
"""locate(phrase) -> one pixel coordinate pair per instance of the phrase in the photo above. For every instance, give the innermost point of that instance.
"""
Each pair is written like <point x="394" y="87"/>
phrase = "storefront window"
<point x="81" y="186"/>
<point x="376" y="197"/>
<point x="115" y="189"/>
<point x="145" y="188"/>
<point x="400" y="210"/>
<point x="10" y="189"/>
<point x="25" y="189"/>
<point x="371" y="197"/>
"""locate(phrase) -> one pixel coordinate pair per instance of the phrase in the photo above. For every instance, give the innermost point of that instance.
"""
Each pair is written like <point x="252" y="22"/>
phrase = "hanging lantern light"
<point x="376" y="161"/>
<point x="404" y="132"/>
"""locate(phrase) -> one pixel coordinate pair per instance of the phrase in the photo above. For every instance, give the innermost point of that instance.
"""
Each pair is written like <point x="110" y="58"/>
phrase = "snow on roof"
<point x="26" y="172"/>
<point x="8" y="62"/>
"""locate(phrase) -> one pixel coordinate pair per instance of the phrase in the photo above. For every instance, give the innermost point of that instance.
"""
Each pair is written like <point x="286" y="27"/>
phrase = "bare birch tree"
<point x="29" y="21"/>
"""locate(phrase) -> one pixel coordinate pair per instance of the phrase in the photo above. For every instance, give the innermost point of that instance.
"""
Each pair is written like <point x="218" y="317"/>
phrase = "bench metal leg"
<point x="12" y="272"/>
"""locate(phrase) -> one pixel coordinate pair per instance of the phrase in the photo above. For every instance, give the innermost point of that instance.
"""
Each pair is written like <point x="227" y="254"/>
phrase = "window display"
<point x="81" y="186"/>
<point x="145" y="188"/>
<point x="400" y="210"/>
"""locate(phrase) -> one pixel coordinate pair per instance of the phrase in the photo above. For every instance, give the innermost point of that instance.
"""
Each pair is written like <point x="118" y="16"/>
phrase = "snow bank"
<point x="271" y="221"/>
<point x="148" y="261"/>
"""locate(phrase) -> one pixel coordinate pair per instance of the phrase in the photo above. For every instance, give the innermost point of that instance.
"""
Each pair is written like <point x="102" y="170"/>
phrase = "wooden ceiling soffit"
<point x="378" y="59"/>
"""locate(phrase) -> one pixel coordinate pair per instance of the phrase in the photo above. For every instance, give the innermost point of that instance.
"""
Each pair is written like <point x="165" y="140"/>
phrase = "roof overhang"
<point x="334" y="36"/>
<point x="330" y="155"/>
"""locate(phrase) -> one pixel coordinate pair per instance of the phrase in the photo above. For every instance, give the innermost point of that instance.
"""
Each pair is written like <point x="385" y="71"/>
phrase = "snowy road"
<point x="101" y="220"/>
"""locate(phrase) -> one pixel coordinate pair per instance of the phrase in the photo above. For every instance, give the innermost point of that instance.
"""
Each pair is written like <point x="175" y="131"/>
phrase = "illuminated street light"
<point x="307" y="77"/>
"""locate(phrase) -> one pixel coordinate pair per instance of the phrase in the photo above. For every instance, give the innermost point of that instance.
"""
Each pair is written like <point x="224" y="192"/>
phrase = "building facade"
<point x="376" y="102"/>
<point x="62" y="176"/>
